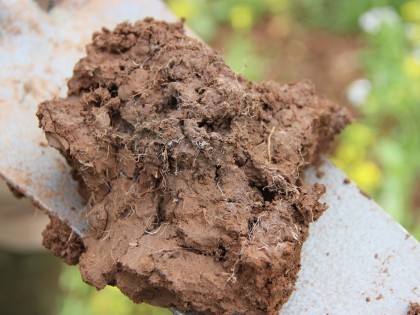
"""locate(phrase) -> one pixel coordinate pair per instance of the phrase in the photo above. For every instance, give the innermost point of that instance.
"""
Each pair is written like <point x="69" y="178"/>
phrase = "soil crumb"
<point x="414" y="309"/>
<point x="365" y="194"/>
<point x="62" y="241"/>
<point x="191" y="172"/>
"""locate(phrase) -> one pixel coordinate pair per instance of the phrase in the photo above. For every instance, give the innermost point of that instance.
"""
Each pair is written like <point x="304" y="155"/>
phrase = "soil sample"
<point x="414" y="309"/>
<point x="191" y="173"/>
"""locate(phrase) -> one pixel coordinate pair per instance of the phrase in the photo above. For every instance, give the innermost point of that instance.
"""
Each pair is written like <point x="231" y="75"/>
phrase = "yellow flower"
<point x="410" y="11"/>
<point x="241" y="17"/>
<point x="348" y="153"/>
<point x="411" y="66"/>
<point x="367" y="175"/>
<point x="183" y="8"/>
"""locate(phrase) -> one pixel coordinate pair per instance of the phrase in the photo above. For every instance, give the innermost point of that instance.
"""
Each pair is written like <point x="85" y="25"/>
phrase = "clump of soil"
<point x="191" y="172"/>
<point x="414" y="309"/>
<point x="62" y="241"/>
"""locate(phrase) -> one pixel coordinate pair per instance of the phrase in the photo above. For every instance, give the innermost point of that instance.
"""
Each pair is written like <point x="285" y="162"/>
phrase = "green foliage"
<point x="336" y="15"/>
<point x="242" y="58"/>
<point x="205" y="17"/>
<point x="392" y="113"/>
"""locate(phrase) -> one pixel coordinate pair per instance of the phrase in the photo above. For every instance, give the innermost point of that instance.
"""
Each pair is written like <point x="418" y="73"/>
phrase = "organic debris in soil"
<point x="414" y="309"/>
<point x="191" y="172"/>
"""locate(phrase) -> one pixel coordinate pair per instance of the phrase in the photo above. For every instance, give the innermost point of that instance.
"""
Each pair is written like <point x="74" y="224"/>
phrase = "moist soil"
<point x="191" y="173"/>
<point x="59" y="238"/>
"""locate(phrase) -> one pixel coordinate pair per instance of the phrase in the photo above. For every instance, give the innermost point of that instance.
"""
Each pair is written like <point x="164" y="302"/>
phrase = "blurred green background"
<point x="364" y="54"/>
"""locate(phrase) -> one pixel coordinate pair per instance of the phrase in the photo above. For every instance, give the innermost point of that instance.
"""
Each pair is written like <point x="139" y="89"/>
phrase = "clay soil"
<point x="62" y="241"/>
<point x="191" y="173"/>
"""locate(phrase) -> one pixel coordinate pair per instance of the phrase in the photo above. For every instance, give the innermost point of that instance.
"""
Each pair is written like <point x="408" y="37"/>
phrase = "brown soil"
<point x="191" y="172"/>
<point x="414" y="309"/>
<point x="62" y="241"/>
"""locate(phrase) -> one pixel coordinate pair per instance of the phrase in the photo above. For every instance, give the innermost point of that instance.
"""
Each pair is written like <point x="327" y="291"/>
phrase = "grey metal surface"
<point x="357" y="260"/>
